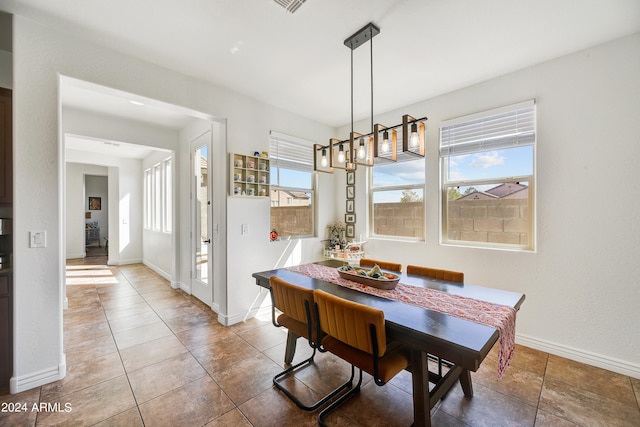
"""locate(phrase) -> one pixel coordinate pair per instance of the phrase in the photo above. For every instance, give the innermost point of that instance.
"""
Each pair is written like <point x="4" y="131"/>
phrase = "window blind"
<point x="500" y="128"/>
<point x="289" y="152"/>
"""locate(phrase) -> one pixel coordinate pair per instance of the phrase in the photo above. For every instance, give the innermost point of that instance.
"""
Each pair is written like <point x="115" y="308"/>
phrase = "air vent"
<point x="290" y="5"/>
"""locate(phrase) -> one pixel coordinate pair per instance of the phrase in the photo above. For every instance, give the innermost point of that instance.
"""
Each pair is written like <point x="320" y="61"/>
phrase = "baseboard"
<point x="36" y="379"/>
<point x="158" y="270"/>
<point x="124" y="261"/>
<point x="241" y="317"/>
<point x="75" y="256"/>
<point x="181" y="285"/>
<point x="593" y="359"/>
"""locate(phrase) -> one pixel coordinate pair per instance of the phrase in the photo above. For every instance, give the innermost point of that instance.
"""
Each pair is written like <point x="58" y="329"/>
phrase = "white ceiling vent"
<point x="290" y="5"/>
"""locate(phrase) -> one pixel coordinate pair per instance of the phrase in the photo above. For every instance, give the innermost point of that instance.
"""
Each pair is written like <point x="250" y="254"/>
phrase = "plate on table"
<point x="386" y="280"/>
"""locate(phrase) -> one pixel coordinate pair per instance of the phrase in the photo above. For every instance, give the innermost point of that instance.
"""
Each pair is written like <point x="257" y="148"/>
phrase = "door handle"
<point x="206" y="241"/>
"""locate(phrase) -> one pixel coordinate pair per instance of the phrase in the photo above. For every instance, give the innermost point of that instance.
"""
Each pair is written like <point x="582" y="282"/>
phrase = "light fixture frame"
<point x="317" y="167"/>
<point x="348" y="163"/>
<point x="406" y="135"/>
<point x="393" y="149"/>
<point x="354" y="140"/>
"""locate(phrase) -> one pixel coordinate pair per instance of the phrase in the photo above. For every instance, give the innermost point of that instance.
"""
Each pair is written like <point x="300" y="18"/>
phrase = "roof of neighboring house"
<point x="506" y="189"/>
<point x="298" y="194"/>
<point x="499" y="192"/>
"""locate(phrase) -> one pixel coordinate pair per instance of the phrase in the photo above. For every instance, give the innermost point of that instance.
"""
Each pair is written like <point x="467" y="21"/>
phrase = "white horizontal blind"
<point x="289" y="152"/>
<point x="505" y="127"/>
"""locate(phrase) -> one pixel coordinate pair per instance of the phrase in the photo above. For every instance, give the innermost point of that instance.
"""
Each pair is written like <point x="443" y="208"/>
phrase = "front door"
<point x="202" y="270"/>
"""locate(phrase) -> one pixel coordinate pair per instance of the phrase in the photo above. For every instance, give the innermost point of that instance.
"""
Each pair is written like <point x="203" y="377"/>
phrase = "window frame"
<point x="158" y="196"/>
<point x="156" y="224"/>
<point x="148" y="201"/>
<point x="167" y="195"/>
<point x="371" y="205"/>
<point x="446" y="185"/>
<point x="305" y="167"/>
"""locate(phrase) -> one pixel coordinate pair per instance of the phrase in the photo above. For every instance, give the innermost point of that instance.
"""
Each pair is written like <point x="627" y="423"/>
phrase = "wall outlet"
<point x="37" y="239"/>
<point x="245" y="229"/>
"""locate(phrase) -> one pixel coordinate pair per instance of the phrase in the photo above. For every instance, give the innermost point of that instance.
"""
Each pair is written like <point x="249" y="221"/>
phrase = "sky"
<point x="504" y="163"/>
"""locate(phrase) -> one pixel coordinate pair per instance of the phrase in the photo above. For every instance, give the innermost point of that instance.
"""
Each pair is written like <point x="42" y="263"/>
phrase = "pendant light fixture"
<point x="382" y="144"/>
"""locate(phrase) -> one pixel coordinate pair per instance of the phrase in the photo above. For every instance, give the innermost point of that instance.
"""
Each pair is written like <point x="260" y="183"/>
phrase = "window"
<point x="167" y="196"/>
<point x="397" y="199"/>
<point x="292" y="186"/>
<point x="487" y="162"/>
<point x="148" y="197"/>
<point x="157" y="196"/>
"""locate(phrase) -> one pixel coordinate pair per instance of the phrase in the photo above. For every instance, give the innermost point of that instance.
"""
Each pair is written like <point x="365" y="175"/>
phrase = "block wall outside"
<point x="292" y="220"/>
<point x="493" y="221"/>
<point x="404" y="219"/>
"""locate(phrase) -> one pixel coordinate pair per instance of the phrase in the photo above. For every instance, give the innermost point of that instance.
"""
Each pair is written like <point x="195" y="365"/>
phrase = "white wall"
<point x="102" y="127"/>
<point x="40" y="55"/>
<point x="581" y="285"/>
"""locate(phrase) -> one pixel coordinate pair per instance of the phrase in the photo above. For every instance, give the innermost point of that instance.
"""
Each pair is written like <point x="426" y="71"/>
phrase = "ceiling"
<point x="298" y="62"/>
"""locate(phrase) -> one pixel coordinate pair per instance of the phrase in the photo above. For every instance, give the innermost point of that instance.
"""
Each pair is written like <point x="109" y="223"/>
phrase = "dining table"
<point x="463" y="343"/>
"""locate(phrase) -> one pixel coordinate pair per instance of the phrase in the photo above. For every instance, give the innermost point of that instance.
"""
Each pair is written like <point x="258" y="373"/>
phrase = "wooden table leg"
<point x="420" y="375"/>
<point x="465" y="383"/>
<point x="290" y="350"/>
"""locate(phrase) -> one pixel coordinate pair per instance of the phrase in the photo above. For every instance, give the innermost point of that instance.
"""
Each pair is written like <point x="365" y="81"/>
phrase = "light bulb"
<point x="323" y="161"/>
<point x="362" y="152"/>
<point x="414" y="140"/>
<point x="341" y="154"/>
<point x="385" y="142"/>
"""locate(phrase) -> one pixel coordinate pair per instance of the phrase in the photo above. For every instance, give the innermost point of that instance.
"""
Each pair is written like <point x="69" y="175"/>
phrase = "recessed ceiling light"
<point x="236" y="47"/>
<point x="136" y="102"/>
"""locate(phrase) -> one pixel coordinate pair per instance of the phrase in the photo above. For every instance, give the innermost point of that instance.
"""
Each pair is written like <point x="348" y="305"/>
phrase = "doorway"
<point x="96" y="215"/>
<point x="202" y="253"/>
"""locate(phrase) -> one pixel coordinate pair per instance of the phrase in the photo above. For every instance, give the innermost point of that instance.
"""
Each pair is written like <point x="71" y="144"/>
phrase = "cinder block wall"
<point x="399" y="219"/>
<point x="494" y="221"/>
<point x="292" y="220"/>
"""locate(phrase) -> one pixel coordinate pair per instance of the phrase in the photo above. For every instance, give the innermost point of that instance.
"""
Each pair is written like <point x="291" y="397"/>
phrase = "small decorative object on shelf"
<point x="350" y="253"/>
<point x="249" y="175"/>
<point x="336" y="234"/>
<point x="273" y="235"/>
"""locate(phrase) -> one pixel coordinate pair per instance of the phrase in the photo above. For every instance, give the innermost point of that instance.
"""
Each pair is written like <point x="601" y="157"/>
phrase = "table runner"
<point x="501" y="317"/>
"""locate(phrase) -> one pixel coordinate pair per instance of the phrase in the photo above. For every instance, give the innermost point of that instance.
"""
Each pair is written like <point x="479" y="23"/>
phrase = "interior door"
<point x="201" y="235"/>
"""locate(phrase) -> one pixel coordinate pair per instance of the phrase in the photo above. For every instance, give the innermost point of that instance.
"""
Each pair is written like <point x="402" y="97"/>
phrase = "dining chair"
<point x="385" y="265"/>
<point x="436" y="273"/>
<point x="296" y="306"/>
<point x="356" y="333"/>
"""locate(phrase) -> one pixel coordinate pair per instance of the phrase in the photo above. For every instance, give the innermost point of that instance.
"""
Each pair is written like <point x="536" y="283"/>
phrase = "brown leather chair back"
<point x="349" y="322"/>
<point x="436" y="273"/>
<point x="391" y="266"/>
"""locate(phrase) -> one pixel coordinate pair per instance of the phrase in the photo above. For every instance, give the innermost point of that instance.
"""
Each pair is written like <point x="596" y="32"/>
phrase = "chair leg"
<point x="290" y="350"/>
<point x="320" y="402"/>
<point x="346" y="396"/>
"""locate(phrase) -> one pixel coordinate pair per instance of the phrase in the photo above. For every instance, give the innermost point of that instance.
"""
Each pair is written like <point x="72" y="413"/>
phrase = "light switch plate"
<point x="37" y="239"/>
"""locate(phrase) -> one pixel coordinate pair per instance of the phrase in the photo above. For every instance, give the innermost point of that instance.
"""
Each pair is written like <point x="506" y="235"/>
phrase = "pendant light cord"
<point x="352" y="90"/>
<point x="371" y="66"/>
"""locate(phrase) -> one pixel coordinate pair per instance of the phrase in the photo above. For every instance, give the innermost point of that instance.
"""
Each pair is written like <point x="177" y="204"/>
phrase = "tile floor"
<point x="140" y="353"/>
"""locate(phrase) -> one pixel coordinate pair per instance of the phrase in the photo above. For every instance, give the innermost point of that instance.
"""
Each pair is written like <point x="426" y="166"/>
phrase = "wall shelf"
<point x="249" y="176"/>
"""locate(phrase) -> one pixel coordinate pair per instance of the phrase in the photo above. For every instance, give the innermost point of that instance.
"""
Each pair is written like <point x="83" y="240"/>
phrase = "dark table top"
<point x="460" y="341"/>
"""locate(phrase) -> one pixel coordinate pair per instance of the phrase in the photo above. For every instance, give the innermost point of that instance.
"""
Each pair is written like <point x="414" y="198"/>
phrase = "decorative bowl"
<point x="351" y="273"/>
